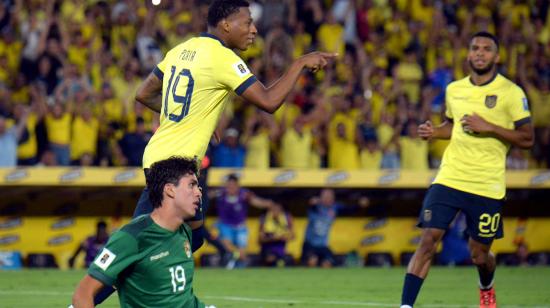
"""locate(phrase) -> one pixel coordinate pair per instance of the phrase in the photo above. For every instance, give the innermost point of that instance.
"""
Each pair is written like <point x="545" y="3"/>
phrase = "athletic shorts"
<point x="237" y="235"/>
<point x="483" y="215"/>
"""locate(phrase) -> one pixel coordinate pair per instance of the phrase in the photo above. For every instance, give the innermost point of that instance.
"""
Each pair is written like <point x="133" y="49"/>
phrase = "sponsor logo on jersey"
<point x="241" y="69"/>
<point x="490" y="101"/>
<point x="104" y="259"/>
<point x="159" y="256"/>
<point x="187" y="248"/>
<point x="525" y="104"/>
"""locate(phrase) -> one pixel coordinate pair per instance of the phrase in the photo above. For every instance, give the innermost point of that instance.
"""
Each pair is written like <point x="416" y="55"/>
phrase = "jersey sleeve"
<point x="448" y="111"/>
<point x="120" y="252"/>
<point x="159" y="69"/>
<point x="518" y="107"/>
<point x="233" y="73"/>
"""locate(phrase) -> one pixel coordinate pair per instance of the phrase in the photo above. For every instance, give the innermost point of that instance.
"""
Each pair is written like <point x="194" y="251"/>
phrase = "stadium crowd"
<point x="69" y="71"/>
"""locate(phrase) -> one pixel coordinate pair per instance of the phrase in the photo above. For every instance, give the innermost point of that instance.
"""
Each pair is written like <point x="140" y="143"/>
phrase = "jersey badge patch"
<point x="187" y="248"/>
<point x="241" y="69"/>
<point x="490" y="101"/>
<point x="104" y="259"/>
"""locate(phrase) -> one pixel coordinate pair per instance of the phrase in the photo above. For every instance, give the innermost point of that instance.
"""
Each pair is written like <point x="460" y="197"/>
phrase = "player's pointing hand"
<point x="317" y="60"/>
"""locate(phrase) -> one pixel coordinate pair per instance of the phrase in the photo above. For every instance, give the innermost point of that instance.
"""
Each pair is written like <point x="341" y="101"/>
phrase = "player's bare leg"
<point x="486" y="265"/>
<point x="420" y="265"/>
<point x="422" y="259"/>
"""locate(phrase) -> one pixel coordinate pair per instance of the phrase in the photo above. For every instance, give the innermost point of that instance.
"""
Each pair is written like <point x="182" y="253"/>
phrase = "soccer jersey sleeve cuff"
<point x="106" y="280"/>
<point x="158" y="73"/>
<point x="247" y="83"/>
<point x="521" y="122"/>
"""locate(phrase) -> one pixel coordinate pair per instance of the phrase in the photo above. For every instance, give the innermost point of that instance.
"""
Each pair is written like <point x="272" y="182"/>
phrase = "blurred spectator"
<point x="9" y="136"/>
<point x="296" y="145"/>
<point x="133" y="144"/>
<point x="276" y="230"/>
<point x="58" y="125"/>
<point x="371" y="154"/>
<point x="86" y="127"/>
<point x="321" y="215"/>
<point x="91" y="245"/>
<point x="260" y="130"/>
<point x="414" y="150"/>
<point x="343" y="152"/>
<point x="229" y="153"/>
<point x="394" y="54"/>
<point x="232" y="204"/>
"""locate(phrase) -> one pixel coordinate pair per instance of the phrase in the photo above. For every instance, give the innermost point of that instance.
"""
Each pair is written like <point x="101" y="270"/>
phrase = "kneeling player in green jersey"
<point x="149" y="260"/>
<point x="486" y="113"/>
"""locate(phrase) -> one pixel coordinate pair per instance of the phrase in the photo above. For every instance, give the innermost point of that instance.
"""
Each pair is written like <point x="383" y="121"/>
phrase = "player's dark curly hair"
<point x="485" y="35"/>
<point x="166" y="171"/>
<point x="220" y="9"/>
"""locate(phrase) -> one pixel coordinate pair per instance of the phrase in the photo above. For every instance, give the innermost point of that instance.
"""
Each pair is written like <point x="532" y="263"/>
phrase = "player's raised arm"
<point x="149" y="93"/>
<point x="271" y="98"/>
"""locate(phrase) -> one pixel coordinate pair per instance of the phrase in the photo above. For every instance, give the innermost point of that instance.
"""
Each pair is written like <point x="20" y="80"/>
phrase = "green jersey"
<point x="149" y="265"/>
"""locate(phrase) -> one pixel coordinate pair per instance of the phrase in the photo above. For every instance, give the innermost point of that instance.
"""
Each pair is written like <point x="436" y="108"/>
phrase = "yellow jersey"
<point x="59" y="129"/>
<point x="201" y="73"/>
<point x="475" y="163"/>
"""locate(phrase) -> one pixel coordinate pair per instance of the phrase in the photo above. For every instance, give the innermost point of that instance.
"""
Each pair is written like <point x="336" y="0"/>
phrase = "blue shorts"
<point x="237" y="235"/>
<point x="483" y="215"/>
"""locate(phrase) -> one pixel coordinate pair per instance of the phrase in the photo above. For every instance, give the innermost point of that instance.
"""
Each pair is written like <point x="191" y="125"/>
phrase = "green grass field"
<point x="298" y="287"/>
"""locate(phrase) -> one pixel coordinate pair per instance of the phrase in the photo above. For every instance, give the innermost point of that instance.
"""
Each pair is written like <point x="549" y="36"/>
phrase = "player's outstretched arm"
<point x="427" y="131"/>
<point x="149" y="93"/>
<point x="270" y="99"/>
<point x="83" y="296"/>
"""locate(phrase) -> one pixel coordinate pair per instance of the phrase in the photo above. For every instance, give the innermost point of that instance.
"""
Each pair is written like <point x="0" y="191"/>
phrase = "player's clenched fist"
<point x="426" y="130"/>
<point x="317" y="60"/>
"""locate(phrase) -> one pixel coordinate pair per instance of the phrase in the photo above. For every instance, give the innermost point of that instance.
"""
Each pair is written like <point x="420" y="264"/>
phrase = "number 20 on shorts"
<point x="488" y="223"/>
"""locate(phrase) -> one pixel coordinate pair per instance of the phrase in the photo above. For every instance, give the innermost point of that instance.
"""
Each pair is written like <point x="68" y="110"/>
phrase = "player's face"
<point x="482" y="55"/>
<point x="242" y="31"/>
<point x="188" y="195"/>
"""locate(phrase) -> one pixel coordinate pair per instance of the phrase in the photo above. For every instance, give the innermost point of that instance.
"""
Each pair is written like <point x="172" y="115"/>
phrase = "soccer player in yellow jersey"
<point x="195" y="80"/>
<point x="192" y="84"/>
<point x="486" y="113"/>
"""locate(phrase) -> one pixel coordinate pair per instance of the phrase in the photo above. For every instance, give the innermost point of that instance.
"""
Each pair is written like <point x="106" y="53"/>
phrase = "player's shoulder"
<point x="506" y="83"/>
<point x="459" y="83"/>
<point x="137" y="225"/>
<point x="183" y="45"/>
